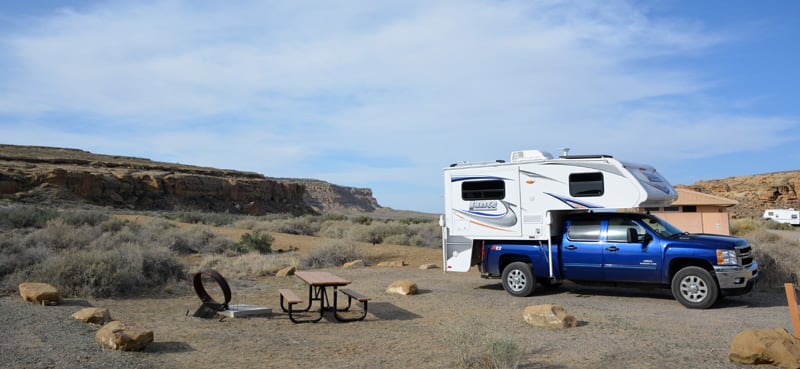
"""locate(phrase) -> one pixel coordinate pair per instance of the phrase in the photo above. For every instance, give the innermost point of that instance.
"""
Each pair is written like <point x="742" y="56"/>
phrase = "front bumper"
<point x="736" y="277"/>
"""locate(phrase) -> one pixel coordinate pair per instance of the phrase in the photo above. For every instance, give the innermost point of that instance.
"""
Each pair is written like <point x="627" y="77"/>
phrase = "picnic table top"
<point x="321" y="278"/>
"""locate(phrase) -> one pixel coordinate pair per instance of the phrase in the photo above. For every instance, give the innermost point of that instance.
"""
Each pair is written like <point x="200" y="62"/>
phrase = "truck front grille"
<point x="745" y="255"/>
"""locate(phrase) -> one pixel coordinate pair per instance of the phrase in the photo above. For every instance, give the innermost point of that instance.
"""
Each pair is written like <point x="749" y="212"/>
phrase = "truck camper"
<point x="540" y="218"/>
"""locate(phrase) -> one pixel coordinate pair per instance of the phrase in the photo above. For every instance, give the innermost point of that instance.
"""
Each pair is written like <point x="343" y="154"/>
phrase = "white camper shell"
<point x="788" y="216"/>
<point x="517" y="200"/>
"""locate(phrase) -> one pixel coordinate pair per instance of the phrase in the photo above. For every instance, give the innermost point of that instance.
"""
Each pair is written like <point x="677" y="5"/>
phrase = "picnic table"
<point x="318" y="285"/>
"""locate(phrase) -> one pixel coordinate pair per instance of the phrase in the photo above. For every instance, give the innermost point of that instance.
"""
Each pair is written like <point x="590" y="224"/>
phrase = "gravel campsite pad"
<point x="617" y="327"/>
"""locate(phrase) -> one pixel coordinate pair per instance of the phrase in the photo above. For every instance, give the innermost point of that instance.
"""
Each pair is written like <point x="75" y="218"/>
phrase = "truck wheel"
<point x="695" y="288"/>
<point x="518" y="279"/>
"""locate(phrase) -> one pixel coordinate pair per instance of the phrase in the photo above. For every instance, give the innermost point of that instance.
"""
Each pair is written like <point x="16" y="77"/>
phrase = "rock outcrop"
<point x="754" y="193"/>
<point x="51" y="175"/>
<point x="326" y="197"/>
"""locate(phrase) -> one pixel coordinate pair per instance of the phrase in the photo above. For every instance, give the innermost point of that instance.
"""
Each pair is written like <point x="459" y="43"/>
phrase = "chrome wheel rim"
<point x="516" y="280"/>
<point x="694" y="288"/>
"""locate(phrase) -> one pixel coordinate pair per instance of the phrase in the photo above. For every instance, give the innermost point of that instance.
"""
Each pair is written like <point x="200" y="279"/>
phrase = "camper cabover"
<point x="788" y="216"/>
<point x="538" y="218"/>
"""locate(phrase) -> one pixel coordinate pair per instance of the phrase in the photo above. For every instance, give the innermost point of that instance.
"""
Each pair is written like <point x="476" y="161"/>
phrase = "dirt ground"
<point x="617" y="327"/>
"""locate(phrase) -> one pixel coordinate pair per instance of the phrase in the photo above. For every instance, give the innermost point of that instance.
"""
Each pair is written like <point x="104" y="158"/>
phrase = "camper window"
<point x="586" y="184"/>
<point x="483" y="190"/>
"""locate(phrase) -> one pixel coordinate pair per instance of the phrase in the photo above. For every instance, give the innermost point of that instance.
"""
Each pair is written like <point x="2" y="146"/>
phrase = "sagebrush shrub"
<point x="255" y="241"/>
<point x="25" y="216"/>
<point x="332" y="254"/>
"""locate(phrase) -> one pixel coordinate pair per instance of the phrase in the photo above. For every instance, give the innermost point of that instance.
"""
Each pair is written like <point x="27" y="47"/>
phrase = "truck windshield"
<point x="661" y="227"/>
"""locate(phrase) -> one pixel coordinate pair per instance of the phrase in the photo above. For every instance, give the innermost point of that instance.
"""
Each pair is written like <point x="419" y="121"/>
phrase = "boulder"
<point x="393" y="264"/>
<point x="285" y="272"/>
<point x="771" y="346"/>
<point x="93" y="315"/>
<point x="355" y="264"/>
<point x="402" y="287"/>
<point x="40" y="293"/>
<point x="124" y="335"/>
<point x="428" y="266"/>
<point x="548" y="316"/>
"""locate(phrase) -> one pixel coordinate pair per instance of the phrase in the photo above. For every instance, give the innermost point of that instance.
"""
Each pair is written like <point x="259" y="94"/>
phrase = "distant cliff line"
<point x="52" y="175"/>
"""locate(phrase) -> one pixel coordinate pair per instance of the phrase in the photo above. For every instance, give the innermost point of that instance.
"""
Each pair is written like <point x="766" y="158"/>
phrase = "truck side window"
<point x="584" y="230"/>
<point x="586" y="184"/>
<point x="618" y="230"/>
<point x="483" y="190"/>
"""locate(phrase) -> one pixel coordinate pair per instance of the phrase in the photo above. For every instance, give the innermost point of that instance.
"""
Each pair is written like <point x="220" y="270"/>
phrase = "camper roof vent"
<point x="530" y="155"/>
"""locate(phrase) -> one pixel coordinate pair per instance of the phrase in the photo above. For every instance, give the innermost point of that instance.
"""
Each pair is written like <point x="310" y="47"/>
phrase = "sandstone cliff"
<point x="755" y="193"/>
<point x="49" y="175"/>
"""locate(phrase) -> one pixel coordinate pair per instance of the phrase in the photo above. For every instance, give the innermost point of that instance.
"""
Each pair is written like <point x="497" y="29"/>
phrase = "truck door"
<point x="629" y="260"/>
<point x="582" y="251"/>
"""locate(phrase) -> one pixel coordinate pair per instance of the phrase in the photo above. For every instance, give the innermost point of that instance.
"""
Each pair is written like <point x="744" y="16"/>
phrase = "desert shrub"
<point x="107" y="259"/>
<point x="778" y="258"/>
<point x="502" y="353"/>
<point x="255" y="241"/>
<point x="334" y="229"/>
<point x="332" y="254"/>
<point x="249" y="265"/>
<point x="84" y="217"/>
<point x="197" y="217"/>
<point x="743" y="226"/>
<point x="15" y="254"/>
<point x="25" y="216"/>
<point x="122" y="271"/>
<point x="771" y="224"/>
<point x="59" y="235"/>
<point x="362" y="219"/>
<point x="473" y="345"/>
<point x="306" y="225"/>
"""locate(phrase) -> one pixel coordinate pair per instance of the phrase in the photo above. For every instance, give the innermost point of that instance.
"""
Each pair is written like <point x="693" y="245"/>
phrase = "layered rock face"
<point x="326" y="197"/>
<point x="46" y="174"/>
<point x="755" y="193"/>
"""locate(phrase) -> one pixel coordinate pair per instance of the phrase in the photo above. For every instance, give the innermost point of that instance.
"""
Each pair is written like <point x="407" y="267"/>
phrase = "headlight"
<point x="727" y="257"/>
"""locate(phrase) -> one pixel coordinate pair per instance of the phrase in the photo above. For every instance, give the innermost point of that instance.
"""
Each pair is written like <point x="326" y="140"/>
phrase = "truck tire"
<point x="695" y="288"/>
<point x="518" y="279"/>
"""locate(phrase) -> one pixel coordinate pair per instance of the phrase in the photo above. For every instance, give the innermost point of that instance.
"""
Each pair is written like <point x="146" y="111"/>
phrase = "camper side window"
<point x="483" y="190"/>
<point x="586" y="184"/>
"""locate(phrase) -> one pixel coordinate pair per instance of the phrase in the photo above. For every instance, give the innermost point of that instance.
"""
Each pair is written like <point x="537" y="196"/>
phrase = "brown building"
<point x="696" y="212"/>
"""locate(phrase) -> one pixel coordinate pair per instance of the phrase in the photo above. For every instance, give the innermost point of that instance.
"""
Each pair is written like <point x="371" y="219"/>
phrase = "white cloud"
<point x="294" y="88"/>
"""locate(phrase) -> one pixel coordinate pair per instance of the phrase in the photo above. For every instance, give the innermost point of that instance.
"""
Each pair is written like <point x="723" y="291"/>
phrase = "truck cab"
<point x="627" y="248"/>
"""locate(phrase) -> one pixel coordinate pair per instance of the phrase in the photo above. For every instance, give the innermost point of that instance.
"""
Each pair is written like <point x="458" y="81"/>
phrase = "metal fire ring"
<point x="204" y="296"/>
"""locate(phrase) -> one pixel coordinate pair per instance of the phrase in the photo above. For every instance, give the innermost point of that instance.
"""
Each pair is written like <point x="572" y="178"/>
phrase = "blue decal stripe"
<point x="572" y="202"/>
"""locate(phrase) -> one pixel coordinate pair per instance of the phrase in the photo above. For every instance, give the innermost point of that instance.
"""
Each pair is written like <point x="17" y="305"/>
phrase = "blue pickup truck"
<point x="629" y="249"/>
<point x="542" y="219"/>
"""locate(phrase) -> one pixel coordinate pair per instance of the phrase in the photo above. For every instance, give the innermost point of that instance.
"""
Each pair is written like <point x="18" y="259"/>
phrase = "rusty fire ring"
<point x="204" y="296"/>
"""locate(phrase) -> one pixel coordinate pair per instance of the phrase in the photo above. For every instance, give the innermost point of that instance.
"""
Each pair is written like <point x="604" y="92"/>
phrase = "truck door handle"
<point x="612" y="248"/>
<point x="570" y="247"/>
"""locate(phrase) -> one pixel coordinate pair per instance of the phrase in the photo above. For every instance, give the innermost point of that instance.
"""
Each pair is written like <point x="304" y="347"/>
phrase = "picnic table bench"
<point x="318" y="282"/>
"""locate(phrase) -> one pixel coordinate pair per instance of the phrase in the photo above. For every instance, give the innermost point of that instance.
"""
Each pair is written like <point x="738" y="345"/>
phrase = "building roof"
<point x="689" y="197"/>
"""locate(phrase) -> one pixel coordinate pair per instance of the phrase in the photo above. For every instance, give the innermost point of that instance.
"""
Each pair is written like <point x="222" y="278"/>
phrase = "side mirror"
<point x="646" y="239"/>
<point x="633" y="236"/>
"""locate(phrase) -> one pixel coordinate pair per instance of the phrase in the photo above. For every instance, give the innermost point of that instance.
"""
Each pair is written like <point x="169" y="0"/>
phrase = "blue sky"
<point x="384" y="94"/>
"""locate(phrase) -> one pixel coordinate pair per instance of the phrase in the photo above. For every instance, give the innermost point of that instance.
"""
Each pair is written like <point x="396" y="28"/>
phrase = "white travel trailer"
<point x="788" y="216"/>
<point x="518" y="200"/>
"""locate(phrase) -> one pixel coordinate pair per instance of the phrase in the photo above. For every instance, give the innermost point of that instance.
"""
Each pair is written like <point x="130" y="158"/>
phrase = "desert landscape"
<point x="453" y="316"/>
<point x="77" y="219"/>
